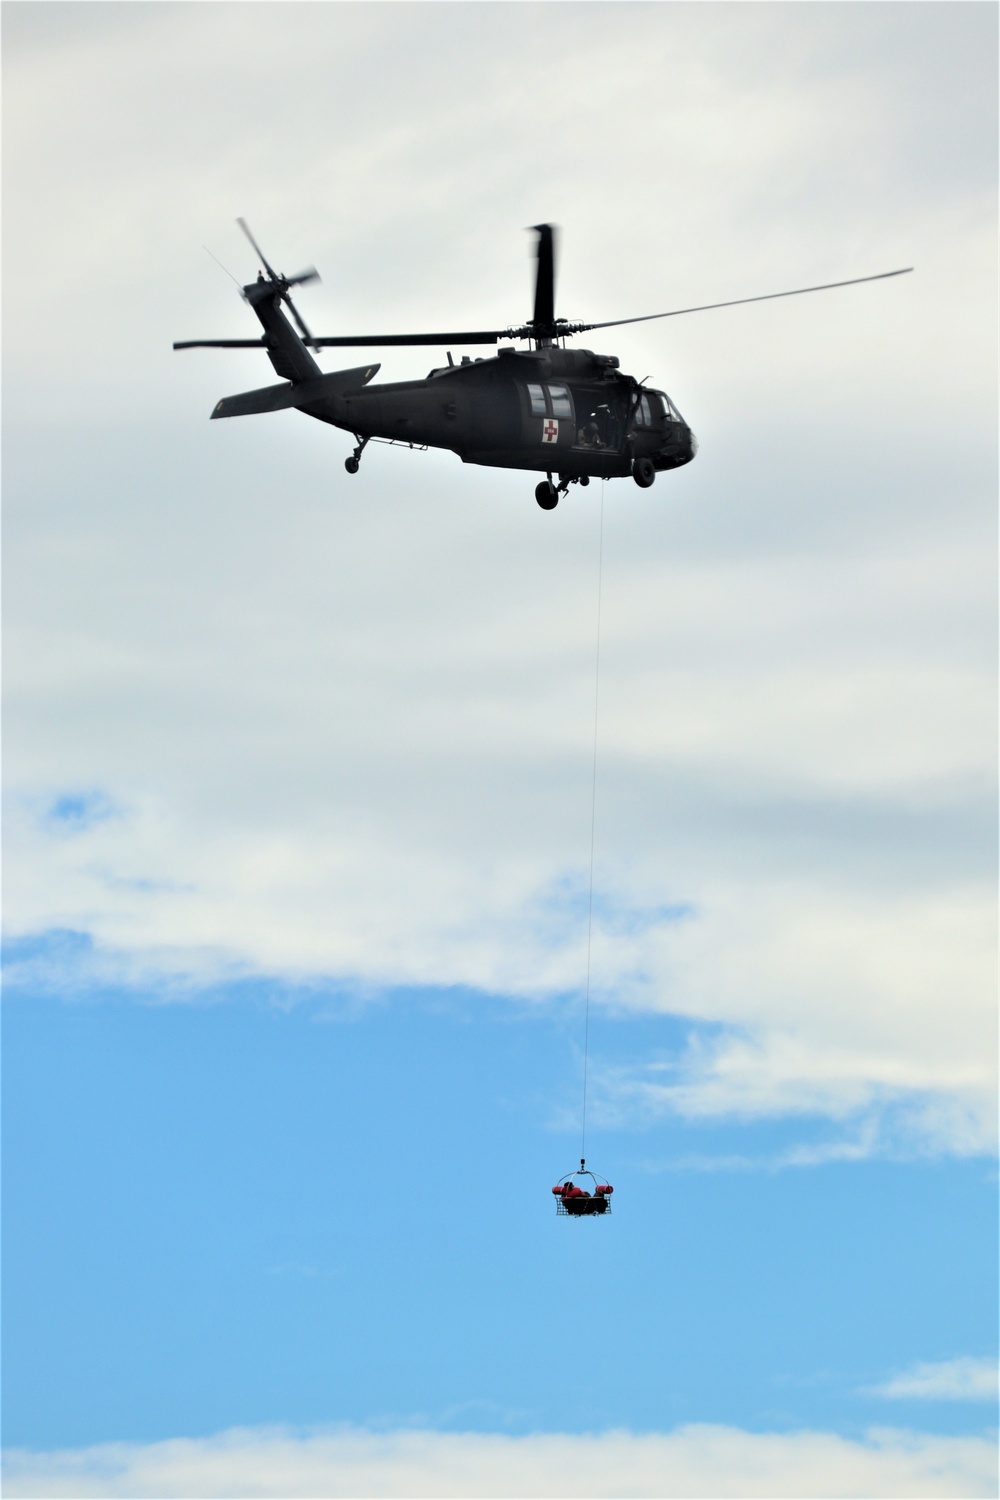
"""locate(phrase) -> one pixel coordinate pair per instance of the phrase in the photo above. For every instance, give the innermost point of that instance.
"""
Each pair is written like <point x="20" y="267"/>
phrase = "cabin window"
<point x="561" y="405"/>
<point x="537" y="400"/>
<point x="643" y="418"/>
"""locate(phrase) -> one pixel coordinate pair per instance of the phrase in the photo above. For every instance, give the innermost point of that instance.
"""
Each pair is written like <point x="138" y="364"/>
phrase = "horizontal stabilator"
<point x="297" y="393"/>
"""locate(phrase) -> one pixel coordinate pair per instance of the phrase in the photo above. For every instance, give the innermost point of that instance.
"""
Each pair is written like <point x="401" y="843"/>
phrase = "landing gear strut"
<point x="353" y="464"/>
<point x="547" y="494"/>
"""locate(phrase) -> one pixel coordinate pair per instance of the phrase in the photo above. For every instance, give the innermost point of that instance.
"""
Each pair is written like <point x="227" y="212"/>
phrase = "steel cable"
<point x="593" y="824"/>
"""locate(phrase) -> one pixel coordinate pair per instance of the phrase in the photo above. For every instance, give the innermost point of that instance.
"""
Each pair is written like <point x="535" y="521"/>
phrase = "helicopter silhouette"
<point x="569" y="413"/>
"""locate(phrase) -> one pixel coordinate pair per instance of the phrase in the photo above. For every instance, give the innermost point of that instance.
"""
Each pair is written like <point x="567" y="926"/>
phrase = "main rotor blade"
<point x="310" y="274"/>
<point x="384" y="340"/>
<point x="545" y="278"/>
<point x="363" y="340"/>
<point x="263" y="259"/>
<point x="678" y="312"/>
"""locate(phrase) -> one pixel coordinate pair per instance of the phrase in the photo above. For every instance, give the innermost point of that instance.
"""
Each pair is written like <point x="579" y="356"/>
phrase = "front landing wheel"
<point x="643" y="472"/>
<point x="547" y="495"/>
<point x="351" y="464"/>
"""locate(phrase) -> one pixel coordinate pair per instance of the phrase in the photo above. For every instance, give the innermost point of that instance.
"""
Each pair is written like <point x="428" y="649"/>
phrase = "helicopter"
<point x="570" y="414"/>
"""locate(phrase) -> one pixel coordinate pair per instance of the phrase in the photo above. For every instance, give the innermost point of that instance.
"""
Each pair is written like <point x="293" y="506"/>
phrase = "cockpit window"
<point x="559" y="396"/>
<point x="537" y="400"/>
<point x="672" y="414"/>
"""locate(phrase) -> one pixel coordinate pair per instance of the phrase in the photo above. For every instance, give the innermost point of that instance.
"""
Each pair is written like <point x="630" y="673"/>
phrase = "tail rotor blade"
<point x="545" y="279"/>
<point x="306" y="335"/>
<point x="310" y="274"/>
<point x="263" y="259"/>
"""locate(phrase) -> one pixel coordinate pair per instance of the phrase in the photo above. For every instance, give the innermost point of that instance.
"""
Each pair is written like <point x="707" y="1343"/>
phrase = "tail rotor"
<point x="282" y="283"/>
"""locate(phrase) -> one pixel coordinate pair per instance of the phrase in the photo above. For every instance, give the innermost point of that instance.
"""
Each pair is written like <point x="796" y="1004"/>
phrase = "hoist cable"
<point x="593" y="824"/>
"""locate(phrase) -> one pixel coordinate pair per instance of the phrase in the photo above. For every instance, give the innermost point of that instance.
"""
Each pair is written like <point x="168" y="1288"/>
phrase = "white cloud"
<point x="345" y="726"/>
<point x="700" y="1460"/>
<point x="781" y="1077"/>
<point x="835" y="1006"/>
<point x="947" y="1380"/>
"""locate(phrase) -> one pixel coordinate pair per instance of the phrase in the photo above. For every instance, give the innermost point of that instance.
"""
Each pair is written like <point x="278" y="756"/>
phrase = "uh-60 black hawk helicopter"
<point x="569" y="413"/>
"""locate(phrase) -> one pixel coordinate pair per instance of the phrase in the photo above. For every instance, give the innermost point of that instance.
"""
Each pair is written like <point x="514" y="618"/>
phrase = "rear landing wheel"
<point x="547" y="495"/>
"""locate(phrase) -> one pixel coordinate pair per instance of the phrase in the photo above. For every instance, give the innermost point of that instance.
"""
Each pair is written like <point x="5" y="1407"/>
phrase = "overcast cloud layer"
<point x="695" y="1461"/>
<point x="266" y="719"/>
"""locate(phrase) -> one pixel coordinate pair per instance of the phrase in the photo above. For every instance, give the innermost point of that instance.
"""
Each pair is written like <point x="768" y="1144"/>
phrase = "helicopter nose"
<point x="692" y="442"/>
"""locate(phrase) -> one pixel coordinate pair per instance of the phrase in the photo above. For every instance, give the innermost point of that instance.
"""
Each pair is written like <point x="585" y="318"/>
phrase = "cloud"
<point x="345" y="727"/>
<point x="699" y="1460"/>
<point x="948" y="1380"/>
<point x="887" y="1104"/>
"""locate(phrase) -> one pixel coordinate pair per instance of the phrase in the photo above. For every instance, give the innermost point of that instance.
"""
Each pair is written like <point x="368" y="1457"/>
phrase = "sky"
<point x="298" y="764"/>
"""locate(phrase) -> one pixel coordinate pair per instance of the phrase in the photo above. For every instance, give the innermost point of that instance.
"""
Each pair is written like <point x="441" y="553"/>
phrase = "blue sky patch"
<point x="362" y="1216"/>
<point x="76" y="811"/>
